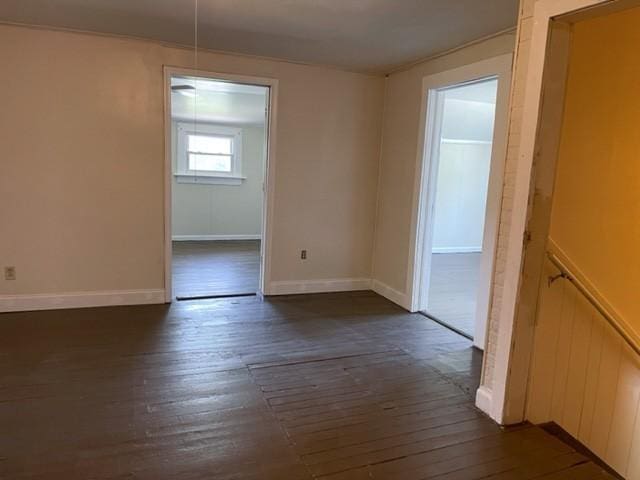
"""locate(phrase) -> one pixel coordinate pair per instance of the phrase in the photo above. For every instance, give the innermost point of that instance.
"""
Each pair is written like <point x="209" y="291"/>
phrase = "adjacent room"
<point x="462" y="165"/>
<point x="218" y="157"/>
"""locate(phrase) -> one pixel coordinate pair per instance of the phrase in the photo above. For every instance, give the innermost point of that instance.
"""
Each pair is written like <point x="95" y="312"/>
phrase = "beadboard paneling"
<point x="585" y="378"/>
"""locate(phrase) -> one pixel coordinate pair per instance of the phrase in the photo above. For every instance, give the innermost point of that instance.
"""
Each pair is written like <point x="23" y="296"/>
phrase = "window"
<point x="208" y="154"/>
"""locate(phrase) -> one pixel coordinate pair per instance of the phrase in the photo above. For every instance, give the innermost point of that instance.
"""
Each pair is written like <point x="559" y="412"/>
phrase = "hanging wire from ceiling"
<point x="195" y="66"/>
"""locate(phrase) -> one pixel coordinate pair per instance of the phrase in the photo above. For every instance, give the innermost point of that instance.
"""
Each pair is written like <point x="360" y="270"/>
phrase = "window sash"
<point x="194" y="157"/>
<point x="199" y="137"/>
<point x="229" y="164"/>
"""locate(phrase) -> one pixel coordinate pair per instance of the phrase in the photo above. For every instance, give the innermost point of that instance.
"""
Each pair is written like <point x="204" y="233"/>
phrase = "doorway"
<point x="578" y="290"/>
<point x="217" y="139"/>
<point x="462" y="155"/>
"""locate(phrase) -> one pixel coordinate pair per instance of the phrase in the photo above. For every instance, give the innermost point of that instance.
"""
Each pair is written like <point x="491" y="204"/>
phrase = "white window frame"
<point x="184" y="174"/>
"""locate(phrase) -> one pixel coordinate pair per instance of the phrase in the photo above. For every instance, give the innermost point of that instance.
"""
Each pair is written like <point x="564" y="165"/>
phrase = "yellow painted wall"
<point x="583" y="376"/>
<point x="596" y="206"/>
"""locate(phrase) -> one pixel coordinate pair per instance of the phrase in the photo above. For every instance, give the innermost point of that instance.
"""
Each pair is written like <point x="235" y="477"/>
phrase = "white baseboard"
<point x="456" y="249"/>
<point x="484" y="399"/>
<point x="389" y="293"/>
<point x="317" y="286"/>
<point x="54" y="301"/>
<point x="191" y="238"/>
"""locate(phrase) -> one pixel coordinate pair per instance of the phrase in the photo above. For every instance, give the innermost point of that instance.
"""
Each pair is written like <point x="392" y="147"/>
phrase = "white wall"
<point x="82" y="152"/>
<point x="463" y="173"/>
<point x="461" y="197"/>
<point x="469" y="119"/>
<point x="201" y="210"/>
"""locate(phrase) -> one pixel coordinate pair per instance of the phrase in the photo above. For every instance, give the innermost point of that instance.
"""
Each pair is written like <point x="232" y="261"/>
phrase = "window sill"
<point x="209" y="179"/>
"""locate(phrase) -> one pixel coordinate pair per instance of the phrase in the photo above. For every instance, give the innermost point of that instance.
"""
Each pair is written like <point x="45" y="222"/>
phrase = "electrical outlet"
<point x="303" y="254"/>
<point x="9" y="273"/>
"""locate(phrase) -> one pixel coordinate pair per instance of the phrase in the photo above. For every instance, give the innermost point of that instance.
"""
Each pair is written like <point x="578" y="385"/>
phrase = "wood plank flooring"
<point x="453" y="290"/>
<point x="220" y="267"/>
<point x="335" y="386"/>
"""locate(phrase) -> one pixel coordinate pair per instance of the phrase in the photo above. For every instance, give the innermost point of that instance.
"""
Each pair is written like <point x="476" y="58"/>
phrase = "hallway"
<point x="335" y="386"/>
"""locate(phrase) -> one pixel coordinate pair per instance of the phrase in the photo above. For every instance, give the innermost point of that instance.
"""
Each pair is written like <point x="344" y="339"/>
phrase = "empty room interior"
<point x="320" y="240"/>
<point x="457" y="258"/>
<point x="218" y="141"/>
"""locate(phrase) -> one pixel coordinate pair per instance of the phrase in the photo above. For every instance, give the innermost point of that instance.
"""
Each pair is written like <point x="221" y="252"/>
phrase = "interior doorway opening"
<point x="461" y="164"/>
<point x="218" y="140"/>
<point x="462" y="156"/>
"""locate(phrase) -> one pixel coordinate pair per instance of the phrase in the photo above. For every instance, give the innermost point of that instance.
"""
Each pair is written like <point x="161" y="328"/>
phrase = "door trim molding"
<point x="423" y="197"/>
<point x="266" y="232"/>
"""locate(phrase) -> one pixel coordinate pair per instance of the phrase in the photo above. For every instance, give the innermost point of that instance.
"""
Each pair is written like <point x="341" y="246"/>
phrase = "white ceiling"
<point x="218" y="102"/>
<point x="364" y="35"/>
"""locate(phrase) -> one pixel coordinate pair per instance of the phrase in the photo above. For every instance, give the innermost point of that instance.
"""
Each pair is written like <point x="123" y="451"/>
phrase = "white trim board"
<point x="114" y="298"/>
<point x="397" y="297"/>
<point x="191" y="238"/>
<point x="424" y="189"/>
<point x="208" y="179"/>
<point x="292" y="287"/>
<point x="56" y="301"/>
<point x="339" y="285"/>
<point x="477" y="249"/>
<point x="483" y="398"/>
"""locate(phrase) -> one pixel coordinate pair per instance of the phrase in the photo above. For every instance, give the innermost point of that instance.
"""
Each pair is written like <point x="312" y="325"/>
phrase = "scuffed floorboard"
<point x="336" y="386"/>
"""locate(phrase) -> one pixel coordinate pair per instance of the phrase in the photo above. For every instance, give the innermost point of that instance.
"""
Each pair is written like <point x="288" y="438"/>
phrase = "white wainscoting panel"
<point x="585" y="378"/>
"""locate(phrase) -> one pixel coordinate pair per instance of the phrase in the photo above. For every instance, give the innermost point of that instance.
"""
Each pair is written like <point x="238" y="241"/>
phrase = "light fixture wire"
<point x="195" y="64"/>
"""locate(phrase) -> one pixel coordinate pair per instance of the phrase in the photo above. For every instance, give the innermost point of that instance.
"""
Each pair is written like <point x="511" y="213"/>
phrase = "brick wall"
<point x="517" y="102"/>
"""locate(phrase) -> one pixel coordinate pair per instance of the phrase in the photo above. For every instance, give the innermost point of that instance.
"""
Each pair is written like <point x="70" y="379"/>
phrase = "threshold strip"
<point x="209" y="297"/>
<point x="446" y="325"/>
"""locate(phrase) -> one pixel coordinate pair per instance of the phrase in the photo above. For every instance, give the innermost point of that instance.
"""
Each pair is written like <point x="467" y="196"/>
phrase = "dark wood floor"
<point x="220" y="267"/>
<point x="337" y="386"/>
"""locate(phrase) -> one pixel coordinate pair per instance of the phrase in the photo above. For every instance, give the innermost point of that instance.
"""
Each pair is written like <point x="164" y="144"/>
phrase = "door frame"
<point x="504" y="399"/>
<point x="269" y="169"/>
<point x="425" y="185"/>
